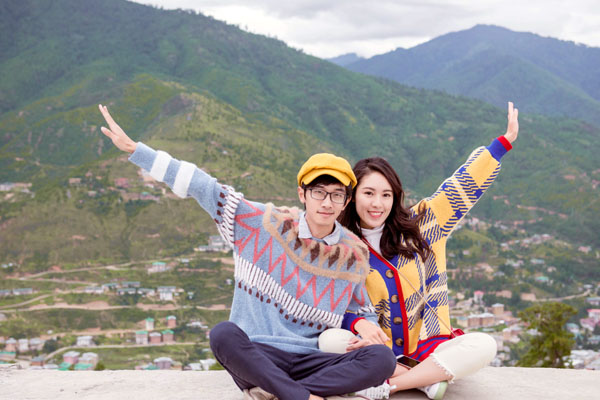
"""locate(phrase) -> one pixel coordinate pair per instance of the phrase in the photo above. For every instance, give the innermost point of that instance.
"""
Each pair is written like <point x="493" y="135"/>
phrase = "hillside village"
<point x="473" y="307"/>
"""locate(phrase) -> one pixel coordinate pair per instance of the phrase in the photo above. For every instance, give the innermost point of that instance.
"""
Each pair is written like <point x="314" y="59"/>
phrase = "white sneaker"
<point x="257" y="393"/>
<point x="377" y="392"/>
<point x="435" y="391"/>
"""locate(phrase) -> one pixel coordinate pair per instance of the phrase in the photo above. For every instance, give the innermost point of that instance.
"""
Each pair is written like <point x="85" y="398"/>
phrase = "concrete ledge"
<point x="489" y="383"/>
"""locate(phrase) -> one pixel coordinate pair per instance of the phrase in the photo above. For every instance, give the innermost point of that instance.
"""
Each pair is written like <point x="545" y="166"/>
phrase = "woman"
<point x="407" y="284"/>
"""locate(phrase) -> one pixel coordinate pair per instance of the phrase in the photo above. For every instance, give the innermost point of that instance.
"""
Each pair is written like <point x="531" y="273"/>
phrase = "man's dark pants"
<point x="296" y="376"/>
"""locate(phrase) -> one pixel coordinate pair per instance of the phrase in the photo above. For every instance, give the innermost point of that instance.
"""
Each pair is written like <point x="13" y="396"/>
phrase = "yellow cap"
<point x="326" y="164"/>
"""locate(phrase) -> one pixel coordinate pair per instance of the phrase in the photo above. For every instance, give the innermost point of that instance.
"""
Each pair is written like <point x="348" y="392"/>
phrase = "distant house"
<point x="481" y="320"/>
<point x="149" y="197"/>
<point x="11" y="345"/>
<point x="126" y="291"/>
<point x="110" y="286"/>
<point x="595" y="301"/>
<point x="36" y="344"/>
<point x="498" y="309"/>
<point x="141" y="337"/>
<point x="7" y="355"/>
<point x="37" y="361"/>
<point x="594" y="313"/>
<point x="23" y="345"/>
<point x="193" y="367"/>
<point x="122" y="182"/>
<point x="83" y="367"/>
<point x="84" y="341"/>
<point x="478" y="295"/>
<point x="94" y="290"/>
<point x="196" y="324"/>
<point x="588" y="323"/>
<point x="158" y="266"/>
<point x="163" y="362"/>
<point x="146" y="292"/>
<point x="595" y="339"/>
<point x="130" y="284"/>
<point x="22" y="292"/>
<point x="504" y="293"/>
<point x="5" y="292"/>
<point x="149" y="323"/>
<point x="89" y="358"/>
<point x="2" y="317"/>
<point x="155" y="338"/>
<point x="206" y="364"/>
<point x="573" y="328"/>
<point x="171" y="321"/>
<point x="74" y="181"/>
<point x="585" y="249"/>
<point x="167" y="336"/>
<point x="166" y="293"/>
<point x="528" y="297"/>
<point x="146" y="176"/>
<point x="215" y="243"/>
<point x="64" y="366"/>
<point x="71" y="357"/>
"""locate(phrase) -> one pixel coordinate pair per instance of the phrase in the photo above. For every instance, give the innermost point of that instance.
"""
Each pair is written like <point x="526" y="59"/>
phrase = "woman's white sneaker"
<point x="435" y="391"/>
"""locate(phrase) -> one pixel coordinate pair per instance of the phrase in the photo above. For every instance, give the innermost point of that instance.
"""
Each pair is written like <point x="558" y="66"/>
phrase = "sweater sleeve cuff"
<point x="348" y="320"/>
<point x="143" y="156"/>
<point x="354" y="323"/>
<point x="499" y="147"/>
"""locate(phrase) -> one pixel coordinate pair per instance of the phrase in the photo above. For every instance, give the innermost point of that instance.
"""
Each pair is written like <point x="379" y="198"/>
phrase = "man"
<point x="296" y="274"/>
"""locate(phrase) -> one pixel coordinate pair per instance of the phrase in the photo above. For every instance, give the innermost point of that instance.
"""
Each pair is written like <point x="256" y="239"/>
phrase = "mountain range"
<point x="247" y="108"/>
<point x="543" y="75"/>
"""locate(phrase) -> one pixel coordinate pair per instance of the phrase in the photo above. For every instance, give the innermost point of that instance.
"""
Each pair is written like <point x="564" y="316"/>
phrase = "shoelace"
<point x="377" y="392"/>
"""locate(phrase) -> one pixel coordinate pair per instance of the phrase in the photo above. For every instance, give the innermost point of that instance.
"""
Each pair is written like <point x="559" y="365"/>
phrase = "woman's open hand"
<point x="512" y="129"/>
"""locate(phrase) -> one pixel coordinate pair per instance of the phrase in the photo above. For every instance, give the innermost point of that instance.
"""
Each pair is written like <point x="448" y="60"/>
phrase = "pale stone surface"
<point x="489" y="384"/>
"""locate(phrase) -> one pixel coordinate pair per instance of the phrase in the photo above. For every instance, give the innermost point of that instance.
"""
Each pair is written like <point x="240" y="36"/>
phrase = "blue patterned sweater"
<point x="287" y="290"/>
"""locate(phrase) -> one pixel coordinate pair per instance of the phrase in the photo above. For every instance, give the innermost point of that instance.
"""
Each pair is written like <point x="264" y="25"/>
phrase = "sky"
<point x="331" y="28"/>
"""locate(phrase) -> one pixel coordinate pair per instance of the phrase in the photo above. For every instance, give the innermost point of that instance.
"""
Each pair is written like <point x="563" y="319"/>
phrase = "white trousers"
<point x="458" y="357"/>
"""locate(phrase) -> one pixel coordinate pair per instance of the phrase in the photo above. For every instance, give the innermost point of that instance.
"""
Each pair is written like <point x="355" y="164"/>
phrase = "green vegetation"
<point x="248" y="110"/>
<point x="552" y="343"/>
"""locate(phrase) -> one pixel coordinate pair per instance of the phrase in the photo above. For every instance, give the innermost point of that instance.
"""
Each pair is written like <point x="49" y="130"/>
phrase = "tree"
<point x="552" y="342"/>
<point x="50" y="346"/>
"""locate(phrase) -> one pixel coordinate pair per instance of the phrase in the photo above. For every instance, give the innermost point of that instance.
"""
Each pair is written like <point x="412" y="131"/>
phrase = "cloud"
<point x="330" y="28"/>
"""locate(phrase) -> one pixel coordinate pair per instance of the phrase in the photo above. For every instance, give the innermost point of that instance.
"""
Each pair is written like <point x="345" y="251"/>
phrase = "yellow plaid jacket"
<point x="410" y="323"/>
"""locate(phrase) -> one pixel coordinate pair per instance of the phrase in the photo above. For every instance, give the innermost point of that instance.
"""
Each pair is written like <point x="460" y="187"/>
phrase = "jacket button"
<point x="389" y="273"/>
<point x="399" y="342"/>
<point x="394" y="298"/>
<point x="397" y="320"/>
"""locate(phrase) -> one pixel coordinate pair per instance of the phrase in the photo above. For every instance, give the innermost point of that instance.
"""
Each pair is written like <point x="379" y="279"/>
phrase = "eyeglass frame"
<point x="330" y="194"/>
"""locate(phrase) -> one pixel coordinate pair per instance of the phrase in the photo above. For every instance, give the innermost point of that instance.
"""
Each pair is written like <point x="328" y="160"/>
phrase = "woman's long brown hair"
<point x="401" y="234"/>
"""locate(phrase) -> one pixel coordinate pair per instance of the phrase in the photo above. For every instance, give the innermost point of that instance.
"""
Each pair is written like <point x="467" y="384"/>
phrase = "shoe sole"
<point x="441" y="391"/>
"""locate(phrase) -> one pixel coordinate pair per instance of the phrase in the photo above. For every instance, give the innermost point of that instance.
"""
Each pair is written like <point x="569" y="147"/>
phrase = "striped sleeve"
<point x="461" y="191"/>
<point x="187" y="180"/>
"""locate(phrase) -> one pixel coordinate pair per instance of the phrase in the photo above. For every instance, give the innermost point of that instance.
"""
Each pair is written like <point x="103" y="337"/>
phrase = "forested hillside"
<point x="247" y="108"/>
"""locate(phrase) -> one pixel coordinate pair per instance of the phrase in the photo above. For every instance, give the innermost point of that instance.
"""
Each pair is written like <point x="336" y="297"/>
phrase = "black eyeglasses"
<point x="320" y="194"/>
